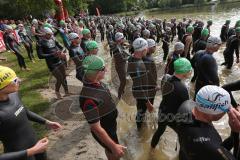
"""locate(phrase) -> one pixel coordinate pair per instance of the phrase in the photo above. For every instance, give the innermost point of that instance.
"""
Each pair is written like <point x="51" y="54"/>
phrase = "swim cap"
<point x="91" y="45"/>
<point x="151" y="43"/>
<point x="86" y="31"/>
<point x="80" y="23"/>
<point x="47" y="25"/>
<point x="7" y="27"/>
<point x="205" y="32"/>
<point x="62" y="22"/>
<point x="228" y="21"/>
<point x="119" y="36"/>
<point x="140" y="44"/>
<point x="47" y="30"/>
<point x="20" y="25"/>
<point x="237" y="30"/>
<point x="178" y="46"/>
<point x="93" y="63"/>
<point x="238" y="23"/>
<point x="73" y="36"/>
<point x="168" y="29"/>
<point x="34" y="21"/>
<point x="182" y="65"/>
<point x="110" y="27"/>
<point x="209" y="22"/>
<point x="146" y="32"/>
<point x="213" y="41"/>
<point x="7" y="75"/>
<point x="213" y="100"/>
<point x="190" y="29"/>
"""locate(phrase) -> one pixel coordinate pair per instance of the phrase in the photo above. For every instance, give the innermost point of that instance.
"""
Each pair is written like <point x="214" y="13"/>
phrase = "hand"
<point x="54" y="125"/>
<point x="40" y="147"/>
<point x="118" y="150"/>
<point x="149" y="106"/>
<point x="237" y="61"/>
<point x="234" y="119"/>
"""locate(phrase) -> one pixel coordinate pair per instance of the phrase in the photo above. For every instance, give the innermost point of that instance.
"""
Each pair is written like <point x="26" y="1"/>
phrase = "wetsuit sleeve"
<point x="35" y="117"/>
<point x="221" y="154"/>
<point x="90" y="111"/>
<point x="234" y="86"/>
<point x="237" y="48"/>
<point x="14" y="155"/>
<point x="210" y="70"/>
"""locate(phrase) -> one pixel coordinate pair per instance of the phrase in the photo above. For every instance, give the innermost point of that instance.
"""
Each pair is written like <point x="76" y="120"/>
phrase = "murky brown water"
<point x="139" y="143"/>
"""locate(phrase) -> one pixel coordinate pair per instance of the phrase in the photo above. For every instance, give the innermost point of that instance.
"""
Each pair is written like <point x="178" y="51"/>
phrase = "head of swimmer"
<point x="95" y="75"/>
<point x="208" y="118"/>
<point x="9" y="84"/>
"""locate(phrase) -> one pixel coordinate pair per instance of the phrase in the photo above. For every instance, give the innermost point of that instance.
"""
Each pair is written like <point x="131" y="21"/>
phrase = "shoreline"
<point x="187" y="6"/>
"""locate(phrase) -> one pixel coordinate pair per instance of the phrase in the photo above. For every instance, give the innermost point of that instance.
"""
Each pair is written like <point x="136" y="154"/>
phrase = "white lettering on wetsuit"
<point x="201" y="139"/>
<point x="19" y="111"/>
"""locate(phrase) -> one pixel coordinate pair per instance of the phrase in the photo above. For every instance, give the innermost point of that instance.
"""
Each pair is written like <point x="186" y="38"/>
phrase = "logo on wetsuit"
<point x="19" y="111"/>
<point x="201" y="139"/>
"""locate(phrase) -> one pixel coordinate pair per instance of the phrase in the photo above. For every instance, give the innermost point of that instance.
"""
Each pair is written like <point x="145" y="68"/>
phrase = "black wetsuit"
<point x="193" y="61"/>
<point x="76" y="53"/>
<point x="12" y="44"/>
<point x="110" y="39"/>
<point x="151" y="74"/>
<point x="197" y="33"/>
<point x="120" y="59"/>
<point x="224" y="33"/>
<point x="198" y="140"/>
<point x="48" y="49"/>
<point x="207" y="71"/>
<point x="233" y="139"/>
<point x="198" y="45"/>
<point x="231" y="47"/>
<point x="16" y="132"/>
<point x="180" y="32"/>
<point x="173" y="30"/>
<point x="138" y="73"/>
<point x="83" y="44"/>
<point x="165" y="46"/>
<point x="170" y="67"/>
<point x="98" y="106"/>
<point x="174" y="94"/>
<point x="231" y="32"/>
<point x="189" y="48"/>
<point x="27" y="41"/>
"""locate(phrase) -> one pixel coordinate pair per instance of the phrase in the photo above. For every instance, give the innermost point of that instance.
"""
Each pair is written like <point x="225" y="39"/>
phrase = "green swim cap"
<point x="91" y="45"/>
<point x="182" y="65"/>
<point x="93" y="63"/>
<point x="228" y="21"/>
<point x="237" y="30"/>
<point x="238" y="23"/>
<point x="85" y="31"/>
<point x="205" y="32"/>
<point x="190" y="29"/>
<point x="210" y="22"/>
<point x="62" y="22"/>
<point x="47" y="25"/>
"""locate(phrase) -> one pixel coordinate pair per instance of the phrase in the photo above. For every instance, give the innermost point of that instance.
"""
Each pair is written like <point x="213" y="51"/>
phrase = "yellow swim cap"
<point x="7" y="75"/>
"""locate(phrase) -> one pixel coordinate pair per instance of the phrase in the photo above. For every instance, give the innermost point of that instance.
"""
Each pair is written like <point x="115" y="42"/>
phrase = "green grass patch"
<point x="32" y="81"/>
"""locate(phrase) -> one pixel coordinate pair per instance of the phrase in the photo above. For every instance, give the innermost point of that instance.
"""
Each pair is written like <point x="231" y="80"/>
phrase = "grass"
<point x="32" y="81"/>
